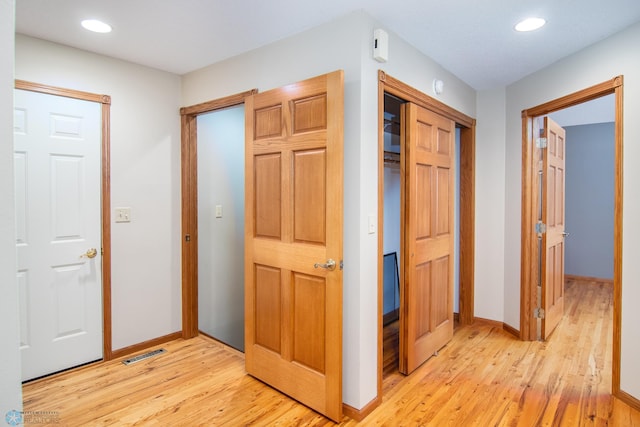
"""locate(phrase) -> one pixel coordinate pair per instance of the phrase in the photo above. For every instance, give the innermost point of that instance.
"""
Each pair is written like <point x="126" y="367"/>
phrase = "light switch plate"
<point x="372" y="224"/>
<point x="123" y="215"/>
<point x="218" y="211"/>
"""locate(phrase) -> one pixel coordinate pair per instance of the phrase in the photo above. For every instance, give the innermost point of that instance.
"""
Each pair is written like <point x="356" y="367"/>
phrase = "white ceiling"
<point x="474" y="39"/>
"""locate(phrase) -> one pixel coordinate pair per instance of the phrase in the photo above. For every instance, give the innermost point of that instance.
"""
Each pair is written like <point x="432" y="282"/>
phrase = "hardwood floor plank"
<point x="483" y="377"/>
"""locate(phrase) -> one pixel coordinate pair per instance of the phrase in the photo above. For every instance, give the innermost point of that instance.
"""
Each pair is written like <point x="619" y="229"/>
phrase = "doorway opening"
<point x="190" y="238"/>
<point x="221" y="225"/>
<point x="530" y="276"/>
<point x="393" y="252"/>
<point x="397" y="93"/>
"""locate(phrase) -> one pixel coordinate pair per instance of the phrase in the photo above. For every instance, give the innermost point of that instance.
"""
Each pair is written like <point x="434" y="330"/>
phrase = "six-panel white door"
<point x="57" y="143"/>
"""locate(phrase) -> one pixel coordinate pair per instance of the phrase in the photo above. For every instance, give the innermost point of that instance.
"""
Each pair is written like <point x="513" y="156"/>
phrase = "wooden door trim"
<point x="390" y="85"/>
<point x="105" y="102"/>
<point x="189" y="186"/>
<point x="529" y="254"/>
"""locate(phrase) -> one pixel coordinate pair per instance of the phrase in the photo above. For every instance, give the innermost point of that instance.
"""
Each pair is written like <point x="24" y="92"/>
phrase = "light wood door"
<point x="426" y="323"/>
<point x="553" y="185"/>
<point x="293" y="225"/>
<point x="57" y="143"/>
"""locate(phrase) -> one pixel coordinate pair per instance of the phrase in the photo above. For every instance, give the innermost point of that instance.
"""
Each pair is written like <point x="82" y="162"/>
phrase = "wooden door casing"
<point x="293" y="221"/>
<point x="553" y="214"/>
<point x="427" y="192"/>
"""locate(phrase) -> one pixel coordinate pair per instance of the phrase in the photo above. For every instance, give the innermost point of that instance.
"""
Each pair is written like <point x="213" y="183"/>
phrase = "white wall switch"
<point x="372" y="224"/>
<point x="218" y="211"/>
<point x="123" y="214"/>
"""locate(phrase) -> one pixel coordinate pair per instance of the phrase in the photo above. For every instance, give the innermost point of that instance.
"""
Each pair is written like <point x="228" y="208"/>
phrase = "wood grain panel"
<point x="558" y="279"/>
<point x="559" y="202"/>
<point x="267" y="122"/>
<point x="423" y="201"/>
<point x="440" y="295"/>
<point x="444" y="208"/>
<point x="268" y="307"/>
<point x="425" y="137"/>
<point x="422" y="298"/>
<point x="552" y="196"/>
<point x="268" y="196"/>
<point x="444" y="142"/>
<point x="309" y="311"/>
<point x="309" y="192"/>
<point x="309" y="114"/>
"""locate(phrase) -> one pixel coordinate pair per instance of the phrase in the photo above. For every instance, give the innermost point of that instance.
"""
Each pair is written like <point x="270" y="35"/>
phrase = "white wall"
<point x="614" y="56"/>
<point x="589" y="200"/>
<point x="490" y="203"/>
<point x="145" y="176"/>
<point x="10" y="387"/>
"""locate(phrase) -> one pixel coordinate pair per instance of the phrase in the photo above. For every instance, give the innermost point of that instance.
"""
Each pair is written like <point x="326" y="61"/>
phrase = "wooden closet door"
<point x="428" y="235"/>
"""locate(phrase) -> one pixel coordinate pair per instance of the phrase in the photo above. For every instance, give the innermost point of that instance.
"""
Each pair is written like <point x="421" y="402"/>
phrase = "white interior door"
<point x="57" y="143"/>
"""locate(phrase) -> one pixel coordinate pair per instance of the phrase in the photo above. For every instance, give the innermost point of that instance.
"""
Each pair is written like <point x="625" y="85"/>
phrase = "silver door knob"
<point x="565" y="234"/>
<point x="330" y="265"/>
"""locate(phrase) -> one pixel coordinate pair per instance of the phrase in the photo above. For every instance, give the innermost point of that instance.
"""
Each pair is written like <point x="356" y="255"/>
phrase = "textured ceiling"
<point x="474" y="39"/>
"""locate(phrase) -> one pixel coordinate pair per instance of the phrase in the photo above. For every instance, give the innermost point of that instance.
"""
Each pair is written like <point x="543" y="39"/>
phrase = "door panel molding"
<point x="467" y="125"/>
<point x="529" y="252"/>
<point x="105" y="101"/>
<point x="189" y="188"/>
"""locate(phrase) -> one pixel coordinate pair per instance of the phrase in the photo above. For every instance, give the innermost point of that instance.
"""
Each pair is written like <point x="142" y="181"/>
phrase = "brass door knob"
<point x="91" y="253"/>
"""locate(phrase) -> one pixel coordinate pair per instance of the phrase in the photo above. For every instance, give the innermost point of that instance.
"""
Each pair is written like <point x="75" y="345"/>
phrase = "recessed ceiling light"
<point x="530" y="24"/>
<point x="96" y="26"/>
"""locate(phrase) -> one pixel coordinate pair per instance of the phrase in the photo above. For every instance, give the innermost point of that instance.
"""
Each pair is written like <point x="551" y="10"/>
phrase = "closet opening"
<point x="393" y="253"/>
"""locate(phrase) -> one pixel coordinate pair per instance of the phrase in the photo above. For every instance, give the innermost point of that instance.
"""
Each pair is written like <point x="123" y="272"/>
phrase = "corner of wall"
<point x="10" y="386"/>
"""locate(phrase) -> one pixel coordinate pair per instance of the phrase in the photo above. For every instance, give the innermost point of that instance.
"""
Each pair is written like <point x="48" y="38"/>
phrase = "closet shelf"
<point x="391" y="158"/>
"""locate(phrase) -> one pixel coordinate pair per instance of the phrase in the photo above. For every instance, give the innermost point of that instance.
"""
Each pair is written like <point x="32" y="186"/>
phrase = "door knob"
<point x="565" y="234"/>
<point x="330" y="265"/>
<point x="91" y="253"/>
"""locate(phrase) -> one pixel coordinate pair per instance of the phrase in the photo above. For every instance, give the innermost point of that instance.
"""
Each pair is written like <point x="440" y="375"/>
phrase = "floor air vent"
<point x="144" y="356"/>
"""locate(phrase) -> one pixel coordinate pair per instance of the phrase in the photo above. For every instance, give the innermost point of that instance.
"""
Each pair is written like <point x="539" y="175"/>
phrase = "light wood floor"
<point x="484" y="377"/>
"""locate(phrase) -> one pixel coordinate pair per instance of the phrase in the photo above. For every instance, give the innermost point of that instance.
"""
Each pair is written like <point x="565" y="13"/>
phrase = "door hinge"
<point x="538" y="313"/>
<point x="541" y="227"/>
<point x="541" y="142"/>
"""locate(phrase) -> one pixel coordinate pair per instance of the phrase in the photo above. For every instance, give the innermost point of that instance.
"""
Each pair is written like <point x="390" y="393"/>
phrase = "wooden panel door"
<point x="428" y="227"/>
<point x="293" y="230"/>
<point x="57" y="145"/>
<point x="553" y="184"/>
